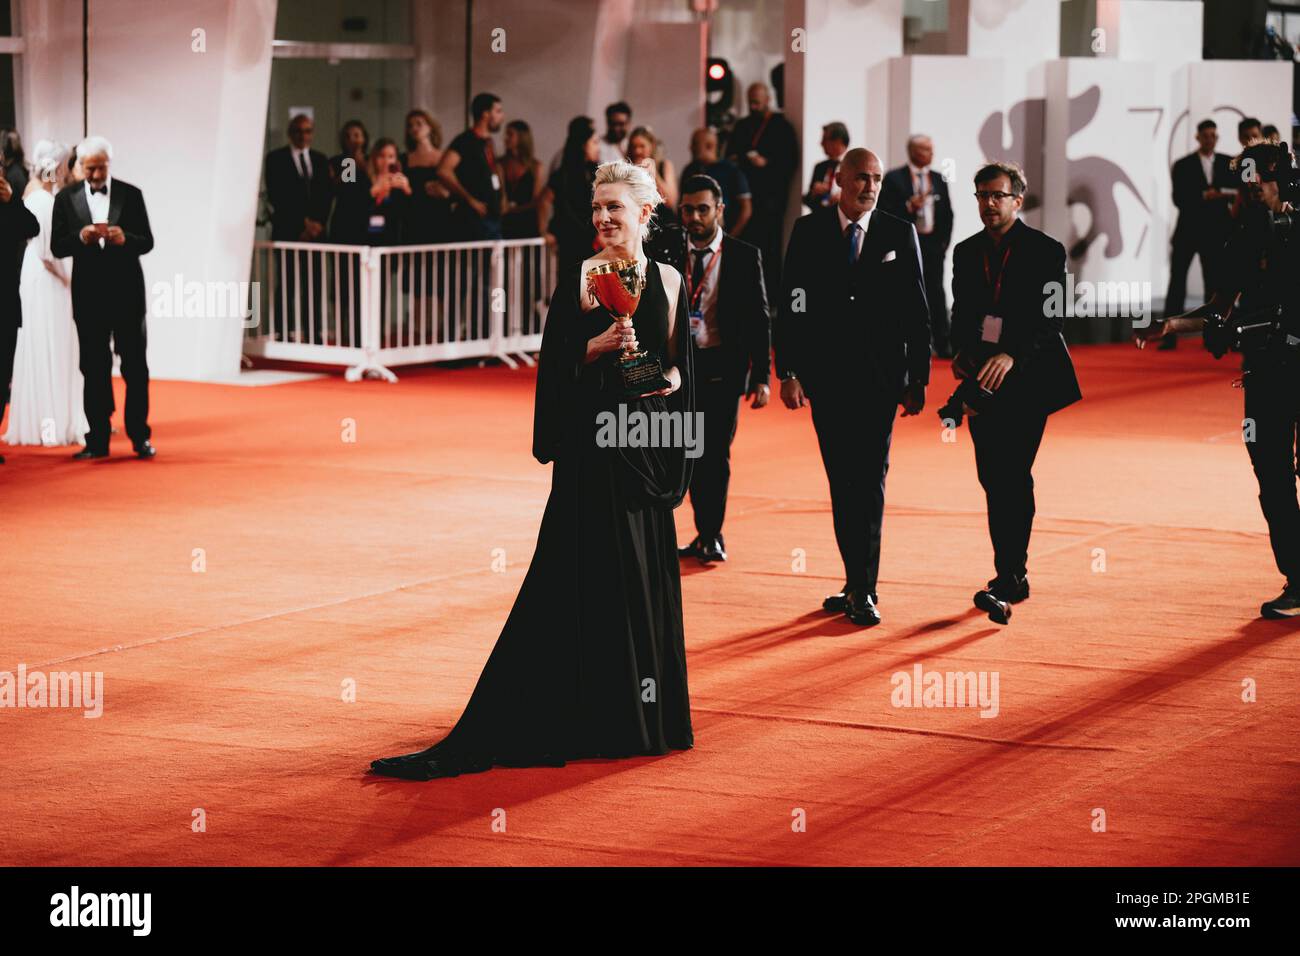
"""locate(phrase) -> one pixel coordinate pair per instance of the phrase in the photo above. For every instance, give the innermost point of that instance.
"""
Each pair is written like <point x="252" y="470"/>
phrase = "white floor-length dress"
<point x="46" y="403"/>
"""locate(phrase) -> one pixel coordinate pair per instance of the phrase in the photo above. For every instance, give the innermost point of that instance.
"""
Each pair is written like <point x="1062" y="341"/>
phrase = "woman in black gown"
<point x="592" y="659"/>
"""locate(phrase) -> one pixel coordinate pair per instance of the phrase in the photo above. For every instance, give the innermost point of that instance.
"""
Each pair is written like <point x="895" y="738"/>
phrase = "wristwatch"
<point x="789" y="377"/>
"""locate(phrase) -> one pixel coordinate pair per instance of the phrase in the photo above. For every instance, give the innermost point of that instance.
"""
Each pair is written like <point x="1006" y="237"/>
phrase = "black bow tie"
<point x="101" y="189"/>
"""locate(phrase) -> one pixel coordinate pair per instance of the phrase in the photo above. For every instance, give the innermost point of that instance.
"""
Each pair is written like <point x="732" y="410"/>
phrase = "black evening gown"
<point x="592" y="659"/>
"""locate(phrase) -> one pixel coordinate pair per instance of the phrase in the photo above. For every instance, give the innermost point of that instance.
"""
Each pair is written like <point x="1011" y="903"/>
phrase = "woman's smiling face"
<point x="615" y="214"/>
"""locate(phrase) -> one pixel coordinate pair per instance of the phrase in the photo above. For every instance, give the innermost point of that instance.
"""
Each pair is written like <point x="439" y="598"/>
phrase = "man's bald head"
<point x="859" y="176"/>
<point x="759" y="97"/>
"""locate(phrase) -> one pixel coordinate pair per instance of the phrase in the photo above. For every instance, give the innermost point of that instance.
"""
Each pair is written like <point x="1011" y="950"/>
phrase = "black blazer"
<point x="743" y="320"/>
<point x="1043" y="374"/>
<point x="862" y="325"/>
<point x="107" y="280"/>
<point x="1194" y="211"/>
<point x="17" y="225"/>
<point x="292" y="203"/>
<point x="819" y="174"/>
<point x="896" y="190"/>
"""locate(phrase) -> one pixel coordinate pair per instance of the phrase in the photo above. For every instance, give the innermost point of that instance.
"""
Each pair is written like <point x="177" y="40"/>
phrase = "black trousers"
<point x="933" y="254"/>
<point x="8" y="345"/>
<point x="765" y="229"/>
<point x="854" y="433"/>
<point x="1273" y="402"/>
<point x="128" y="341"/>
<point x="718" y="400"/>
<point x="1006" y="445"/>
<point x="1207" y="244"/>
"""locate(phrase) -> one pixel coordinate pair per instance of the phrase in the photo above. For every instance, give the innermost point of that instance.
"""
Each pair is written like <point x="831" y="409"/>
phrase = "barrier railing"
<point x="371" y="307"/>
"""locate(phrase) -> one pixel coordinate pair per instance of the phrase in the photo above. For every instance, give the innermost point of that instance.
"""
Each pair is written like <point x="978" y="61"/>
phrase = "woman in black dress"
<point x="428" y="214"/>
<point x="525" y="187"/>
<point x="592" y="659"/>
<point x="351" y="184"/>
<point x="569" y="193"/>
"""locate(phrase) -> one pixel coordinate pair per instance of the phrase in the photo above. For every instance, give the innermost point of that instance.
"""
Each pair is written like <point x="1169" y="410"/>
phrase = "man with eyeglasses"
<point x="1006" y="337"/>
<point x="300" y="196"/>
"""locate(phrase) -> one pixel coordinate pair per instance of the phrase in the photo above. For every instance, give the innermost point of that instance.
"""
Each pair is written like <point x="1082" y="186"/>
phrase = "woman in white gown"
<point x="47" y="390"/>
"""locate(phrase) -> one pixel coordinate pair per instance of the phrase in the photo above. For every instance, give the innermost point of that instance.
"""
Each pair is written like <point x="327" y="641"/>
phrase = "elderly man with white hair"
<point x="102" y="224"/>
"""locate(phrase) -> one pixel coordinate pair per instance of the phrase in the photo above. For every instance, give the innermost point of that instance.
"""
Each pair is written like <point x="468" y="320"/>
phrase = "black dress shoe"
<point x="838" y="602"/>
<point x="692" y="550"/>
<point x="714" y="550"/>
<point x="89" y="453"/>
<point x="145" y="449"/>
<point x="996" y="599"/>
<point x="1286" y="605"/>
<point x="861" y="608"/>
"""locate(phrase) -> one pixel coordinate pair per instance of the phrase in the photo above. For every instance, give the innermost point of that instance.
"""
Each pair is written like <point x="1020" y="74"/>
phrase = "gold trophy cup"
<point x="618" y="285"/>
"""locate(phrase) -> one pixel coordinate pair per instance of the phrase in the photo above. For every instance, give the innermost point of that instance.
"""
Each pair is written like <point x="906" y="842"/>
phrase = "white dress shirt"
<point x="710" y="336"/>
<point x="301" y="160"/>
<point x="1207" y="165"/>
<point x="922" y="186"/>
<point x="98" y="203"/>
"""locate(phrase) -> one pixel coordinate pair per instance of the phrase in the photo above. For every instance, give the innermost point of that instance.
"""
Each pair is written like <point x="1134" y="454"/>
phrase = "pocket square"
<point x="890" y="256"/>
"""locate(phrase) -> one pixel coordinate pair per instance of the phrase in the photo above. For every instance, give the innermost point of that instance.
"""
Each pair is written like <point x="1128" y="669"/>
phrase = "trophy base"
<point x="642" y="373"/>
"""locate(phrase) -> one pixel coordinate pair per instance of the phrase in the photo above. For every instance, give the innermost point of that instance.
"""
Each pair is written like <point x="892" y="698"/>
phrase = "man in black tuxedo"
<point x="299" y="192"/>
<point x="913" y="192"/>
<point x="17" y="225"/>
<point x="853" y="340"/>
<point x="102" y="224"/>
<point x="732" y="335"/>
<point x="1008" y="285"/>
<point x="1204" y="192"/>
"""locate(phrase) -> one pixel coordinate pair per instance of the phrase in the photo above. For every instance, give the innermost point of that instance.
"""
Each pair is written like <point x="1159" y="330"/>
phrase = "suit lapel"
<point x="79" y="203"/>
<point x="114" y="205"/>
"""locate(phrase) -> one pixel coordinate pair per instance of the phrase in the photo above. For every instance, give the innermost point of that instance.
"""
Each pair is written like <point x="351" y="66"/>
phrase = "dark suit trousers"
<point x="1005" y="448"/>
<point x="300" y="275"/>
<point x="720" y="404"/>
<point x="1273" y="402"/>
<point x="1207" y="244"/>
<point x="128" y="336"/>
<point x="932" y="255"/>
<point x="854" y="433"/>
<point x="8" y="345"/>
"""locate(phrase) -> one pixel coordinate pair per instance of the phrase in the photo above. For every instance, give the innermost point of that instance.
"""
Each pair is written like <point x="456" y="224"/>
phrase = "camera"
<point x="969" y="392"/>
<point x="1261" y="329"/>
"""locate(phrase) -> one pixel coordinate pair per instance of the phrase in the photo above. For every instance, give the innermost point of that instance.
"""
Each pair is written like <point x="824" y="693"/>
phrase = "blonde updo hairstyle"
<point x="641" y="184"/>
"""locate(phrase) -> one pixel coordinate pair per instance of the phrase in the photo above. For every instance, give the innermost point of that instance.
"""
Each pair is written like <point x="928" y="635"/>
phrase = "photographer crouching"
<point x="1256" y="311"/>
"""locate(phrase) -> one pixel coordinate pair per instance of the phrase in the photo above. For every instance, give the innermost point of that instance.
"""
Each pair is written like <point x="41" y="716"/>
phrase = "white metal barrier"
<point x="371" y="307"/>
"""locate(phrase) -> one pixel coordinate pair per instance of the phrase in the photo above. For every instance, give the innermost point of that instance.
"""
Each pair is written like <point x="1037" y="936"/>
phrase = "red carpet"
<point x="371" y="561"/>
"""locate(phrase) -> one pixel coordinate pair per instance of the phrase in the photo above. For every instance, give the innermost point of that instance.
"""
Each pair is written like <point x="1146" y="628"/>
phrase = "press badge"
<point x="697" y="323"/>
<point x="496" y="183"/>
<point x="377" y="223"/>
<point x="991" y="331"/>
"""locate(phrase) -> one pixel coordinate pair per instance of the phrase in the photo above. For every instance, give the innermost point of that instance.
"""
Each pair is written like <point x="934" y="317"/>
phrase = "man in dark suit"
<point x="17" y="225"/>
<point x="1204" y="191"/>
<point x="766" y="149"/>
<point x="853" y="340"/>
<point x="821" y="188"/>
<point x="731" y="331"/>
<point x="299" y="192"/>
<point x="103" y="225"/>
<point x="1008" y="282"/>
<point x="913" y="192"/>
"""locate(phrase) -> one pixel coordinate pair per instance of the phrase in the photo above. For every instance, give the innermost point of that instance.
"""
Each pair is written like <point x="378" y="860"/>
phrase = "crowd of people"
<point x="60" y="325"/>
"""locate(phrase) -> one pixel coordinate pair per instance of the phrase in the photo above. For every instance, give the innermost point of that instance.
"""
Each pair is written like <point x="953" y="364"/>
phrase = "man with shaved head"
<point x="917" y="193"/>
<point x="765" y="148"/>
<point x="853" y="341"/>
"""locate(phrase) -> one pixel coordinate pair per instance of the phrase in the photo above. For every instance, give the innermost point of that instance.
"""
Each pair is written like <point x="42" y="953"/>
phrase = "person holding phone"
<point x="103" y="225"/>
